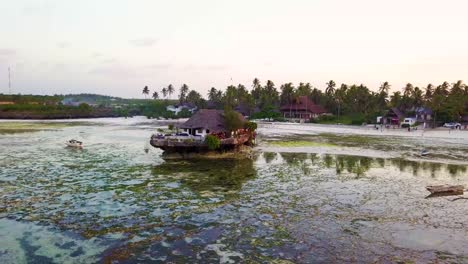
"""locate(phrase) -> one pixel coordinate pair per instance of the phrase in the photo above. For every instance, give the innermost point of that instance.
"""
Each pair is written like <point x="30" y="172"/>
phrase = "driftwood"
<point x="445" y="190"/>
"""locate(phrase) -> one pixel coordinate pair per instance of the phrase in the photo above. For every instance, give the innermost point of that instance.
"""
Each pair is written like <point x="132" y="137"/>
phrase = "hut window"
<point x="200" y="131"/>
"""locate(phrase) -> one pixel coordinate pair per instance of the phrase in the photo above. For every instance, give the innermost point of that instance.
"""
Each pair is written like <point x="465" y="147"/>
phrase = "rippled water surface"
<point x="115" y="202"/>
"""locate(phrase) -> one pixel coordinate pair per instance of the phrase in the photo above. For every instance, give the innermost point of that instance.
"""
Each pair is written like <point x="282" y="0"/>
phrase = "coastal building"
<point x="205" y="122"/>
<point x="246" y="110"/>
<point x="176" y="109"/>
<point x="302" y="108"/>
<point x="191" y="135"/>
<point x="393" y="117"/>
<point x="423" y="114"/>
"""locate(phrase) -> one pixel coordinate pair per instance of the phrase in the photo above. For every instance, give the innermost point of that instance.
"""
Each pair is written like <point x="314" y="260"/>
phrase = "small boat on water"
<point x="74" y="143"/>
<point x="425" y="152"/>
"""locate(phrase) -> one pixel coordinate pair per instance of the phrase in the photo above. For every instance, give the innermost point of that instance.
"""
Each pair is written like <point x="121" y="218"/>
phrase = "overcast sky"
<point x="116" y="47"/>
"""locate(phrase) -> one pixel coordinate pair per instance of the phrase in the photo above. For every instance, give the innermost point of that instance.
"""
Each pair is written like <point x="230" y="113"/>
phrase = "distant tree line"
<point x="449" y="102"/>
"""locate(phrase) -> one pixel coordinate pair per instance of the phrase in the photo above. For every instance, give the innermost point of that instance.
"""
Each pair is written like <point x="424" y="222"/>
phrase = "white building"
<point x="176" y="109"/>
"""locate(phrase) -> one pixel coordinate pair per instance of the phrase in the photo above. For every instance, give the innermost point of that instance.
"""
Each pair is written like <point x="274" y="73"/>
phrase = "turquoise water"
<point x="115" y="202"/>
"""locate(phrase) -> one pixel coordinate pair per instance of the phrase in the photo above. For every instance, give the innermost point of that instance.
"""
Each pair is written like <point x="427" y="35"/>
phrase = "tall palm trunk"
<point x="290" y="107"/>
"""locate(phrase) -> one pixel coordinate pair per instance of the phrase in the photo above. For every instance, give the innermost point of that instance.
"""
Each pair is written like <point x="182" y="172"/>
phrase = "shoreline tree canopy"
<point x="348" y="103"/>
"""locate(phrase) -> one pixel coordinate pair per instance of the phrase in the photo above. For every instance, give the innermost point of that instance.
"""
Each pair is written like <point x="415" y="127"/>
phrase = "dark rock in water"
<point x="445" y="190"/>
<point x="242" y="152"/>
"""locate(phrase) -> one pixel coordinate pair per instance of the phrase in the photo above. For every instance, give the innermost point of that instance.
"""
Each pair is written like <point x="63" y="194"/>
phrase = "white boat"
<point x="425" y="152"/>
<point x="74" y="143"/>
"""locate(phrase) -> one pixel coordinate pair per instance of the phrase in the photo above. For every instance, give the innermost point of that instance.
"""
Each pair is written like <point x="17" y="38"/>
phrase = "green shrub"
<point x="232" y="120"/>
<point x="357" y="121"/>
<point x="326" y="118"/>
<point x="252" y="126"/>
<point x="184" y="113"/>
<point x="213" y="142"/>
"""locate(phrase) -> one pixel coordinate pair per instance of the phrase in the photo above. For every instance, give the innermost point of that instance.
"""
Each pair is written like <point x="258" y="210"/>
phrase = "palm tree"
<point x="384" y="88"/>
<point x="330" y="90"/>
<point x="256" y="90"/>
<point x="183" y="92"/>
<point x="417" y="97"/>
<point x="442" y="89"/>
<point x="255" y="83"/>
<point x="170" y="90"/>
<point x="164" y="92"/>
<point x="212" y="94"/>
<point x="145" y="91"/>
<point x="339" y="97"/>
<point x="408" y="90"/>
<point x="304" y="89"/>
<point x="429" y="91"/>
<point x="457" y="88"/>
<point x="287" y="95"/>
<point x="155" y="95"/>
<point x="395" y="99"/>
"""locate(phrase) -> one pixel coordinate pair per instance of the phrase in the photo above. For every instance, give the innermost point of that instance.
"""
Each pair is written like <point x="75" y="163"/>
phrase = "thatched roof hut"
<point x="303" y="108"/>
<point x="210" y="120"/>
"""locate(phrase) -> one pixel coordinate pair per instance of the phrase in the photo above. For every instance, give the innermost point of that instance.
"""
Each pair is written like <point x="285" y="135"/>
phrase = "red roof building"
<point x="302" y="108"/>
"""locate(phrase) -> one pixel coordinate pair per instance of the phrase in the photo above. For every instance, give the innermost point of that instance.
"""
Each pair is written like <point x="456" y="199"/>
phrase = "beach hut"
<point x="205" y="122"/>
<point x="302" y="108"/>
<point x="392" y="117"/>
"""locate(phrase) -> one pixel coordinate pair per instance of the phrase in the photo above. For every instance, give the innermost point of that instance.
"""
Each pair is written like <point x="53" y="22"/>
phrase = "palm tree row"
<point x="449" y="101"/>
<point x="166" y="91"/>
<point x="185" y="94"/>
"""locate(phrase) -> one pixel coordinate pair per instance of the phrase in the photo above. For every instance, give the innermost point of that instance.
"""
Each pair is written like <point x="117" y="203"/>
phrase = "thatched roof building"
<point x="302" y="107"/>
<point x="206" y="121"/>
<point x="192" y="134"/>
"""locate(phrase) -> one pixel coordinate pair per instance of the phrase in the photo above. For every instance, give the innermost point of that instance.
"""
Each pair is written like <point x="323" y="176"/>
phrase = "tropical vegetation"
<point x="348" y="103"/>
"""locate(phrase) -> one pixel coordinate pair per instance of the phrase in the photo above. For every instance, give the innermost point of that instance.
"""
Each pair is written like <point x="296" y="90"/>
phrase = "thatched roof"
<point x="395" y="112"/>
<point x="303" y="103"/>
<point x="246" y="110"/>
<point x="211" y="119"/>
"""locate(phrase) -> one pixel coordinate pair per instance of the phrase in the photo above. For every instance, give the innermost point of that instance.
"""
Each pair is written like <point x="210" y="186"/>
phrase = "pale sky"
<point x="116" y="47"/>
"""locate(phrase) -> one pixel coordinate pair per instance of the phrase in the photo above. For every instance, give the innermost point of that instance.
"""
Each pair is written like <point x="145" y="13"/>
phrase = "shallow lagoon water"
<point x="113" y="202"/>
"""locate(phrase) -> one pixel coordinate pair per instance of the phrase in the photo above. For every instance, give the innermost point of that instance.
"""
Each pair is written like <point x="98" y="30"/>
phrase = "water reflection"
<point x="224" y="175"/>
<point x="358" y="166"/>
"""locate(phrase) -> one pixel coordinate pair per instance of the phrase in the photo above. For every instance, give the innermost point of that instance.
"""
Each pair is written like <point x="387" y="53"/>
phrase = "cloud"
<point x="209" y="67"/>
<point x="7" y="52"/>
<point x="160" y="66"/>
<point x="110" y="60"/>
<point x="63" y="44"/>
<point x="144" y="42"/>
<point x="113" y="71"/>
<point x="96" y="55"/>
<point x="38" y="9"/>
<point x="215" y="67"/>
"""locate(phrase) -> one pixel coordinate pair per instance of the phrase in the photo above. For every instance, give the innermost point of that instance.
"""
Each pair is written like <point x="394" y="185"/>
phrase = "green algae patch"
<point x="351" y="140"/>
<point x="300" y="143"/>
